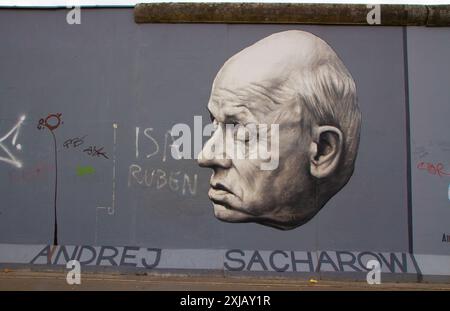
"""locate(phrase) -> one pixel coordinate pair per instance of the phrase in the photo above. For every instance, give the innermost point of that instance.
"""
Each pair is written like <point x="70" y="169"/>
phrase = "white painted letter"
<point x="74" y="16"/>
<point x="374" y="275"/>
<point x="184" y="140"/>
<point x="374" y="16"/>
<point x="74" y="275"/>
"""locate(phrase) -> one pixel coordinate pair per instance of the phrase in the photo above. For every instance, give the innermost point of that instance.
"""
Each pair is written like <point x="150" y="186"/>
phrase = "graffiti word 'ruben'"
<point x="158" y="178"/>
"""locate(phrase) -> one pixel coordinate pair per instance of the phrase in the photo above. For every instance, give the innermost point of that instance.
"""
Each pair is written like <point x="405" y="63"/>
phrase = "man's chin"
<point x="226" y="213"/>
<point x="230" y="215"/>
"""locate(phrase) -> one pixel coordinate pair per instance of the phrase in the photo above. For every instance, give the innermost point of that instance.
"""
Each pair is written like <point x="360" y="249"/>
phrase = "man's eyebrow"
<point x="225" y="110"/>
<point x="238" y="114"/>
<point x="231" y="117"/>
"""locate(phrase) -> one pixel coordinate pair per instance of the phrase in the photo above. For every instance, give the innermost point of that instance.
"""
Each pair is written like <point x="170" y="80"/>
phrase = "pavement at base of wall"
<point x="24" y="280"/>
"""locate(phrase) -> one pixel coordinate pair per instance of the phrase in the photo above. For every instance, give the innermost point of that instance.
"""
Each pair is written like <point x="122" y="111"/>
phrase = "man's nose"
<point x="213" y="153"/>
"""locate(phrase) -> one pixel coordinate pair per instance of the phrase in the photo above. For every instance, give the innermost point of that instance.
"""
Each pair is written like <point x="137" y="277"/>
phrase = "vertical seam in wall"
<point x="408" y="141"/>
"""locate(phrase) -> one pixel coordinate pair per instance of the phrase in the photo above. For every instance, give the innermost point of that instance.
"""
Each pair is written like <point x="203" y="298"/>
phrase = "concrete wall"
<point x="84" y="119"/>
<point x="429" y="99"/>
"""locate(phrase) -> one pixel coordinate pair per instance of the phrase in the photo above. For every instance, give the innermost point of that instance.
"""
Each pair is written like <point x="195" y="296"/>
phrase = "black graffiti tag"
<point x="95" y="152"/>
<point x="74" y="142"/>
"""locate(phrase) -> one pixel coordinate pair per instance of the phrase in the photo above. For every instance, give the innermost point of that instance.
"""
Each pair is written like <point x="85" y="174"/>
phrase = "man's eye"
<point x="241" y="133"/>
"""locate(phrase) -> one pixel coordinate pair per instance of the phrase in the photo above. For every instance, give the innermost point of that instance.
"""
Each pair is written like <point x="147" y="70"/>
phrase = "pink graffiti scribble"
<point x="433" y="169"/>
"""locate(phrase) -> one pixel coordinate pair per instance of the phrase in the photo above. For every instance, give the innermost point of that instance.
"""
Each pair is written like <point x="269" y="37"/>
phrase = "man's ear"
<point x="325" y="150"/>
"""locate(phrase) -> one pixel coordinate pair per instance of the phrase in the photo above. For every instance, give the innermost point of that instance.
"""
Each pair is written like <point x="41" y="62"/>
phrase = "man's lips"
<point x="221" y="187"/>
<point x="221" y="194"/>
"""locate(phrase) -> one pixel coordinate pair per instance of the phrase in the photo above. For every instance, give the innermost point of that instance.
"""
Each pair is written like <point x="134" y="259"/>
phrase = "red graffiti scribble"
<point x="52" y="122"/>
<point x="40" y="170"/>
<point x="433" y="169"/>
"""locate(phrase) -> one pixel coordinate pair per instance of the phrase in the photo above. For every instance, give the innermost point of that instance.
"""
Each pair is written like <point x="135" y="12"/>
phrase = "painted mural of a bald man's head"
<point x="296" y="80"/>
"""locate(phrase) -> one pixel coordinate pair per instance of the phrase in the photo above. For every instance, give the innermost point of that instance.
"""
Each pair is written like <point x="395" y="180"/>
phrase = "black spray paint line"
<point x="52" y="122"/>
<point x="55" y="232"/>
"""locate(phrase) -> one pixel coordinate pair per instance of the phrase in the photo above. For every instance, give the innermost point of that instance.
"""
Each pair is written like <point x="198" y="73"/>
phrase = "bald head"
<point x="274" y="59"/>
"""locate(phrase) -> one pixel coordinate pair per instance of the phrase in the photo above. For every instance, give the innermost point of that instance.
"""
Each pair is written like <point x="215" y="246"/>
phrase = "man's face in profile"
<point x="241" y="191"/>
<point x="260" y="86"/>
<point x="243" y="93"/>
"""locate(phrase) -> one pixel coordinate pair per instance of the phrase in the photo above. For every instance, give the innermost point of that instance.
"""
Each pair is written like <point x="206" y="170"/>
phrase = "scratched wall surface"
<point x="429" y="72"/>
<point x="120" y="87"/>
